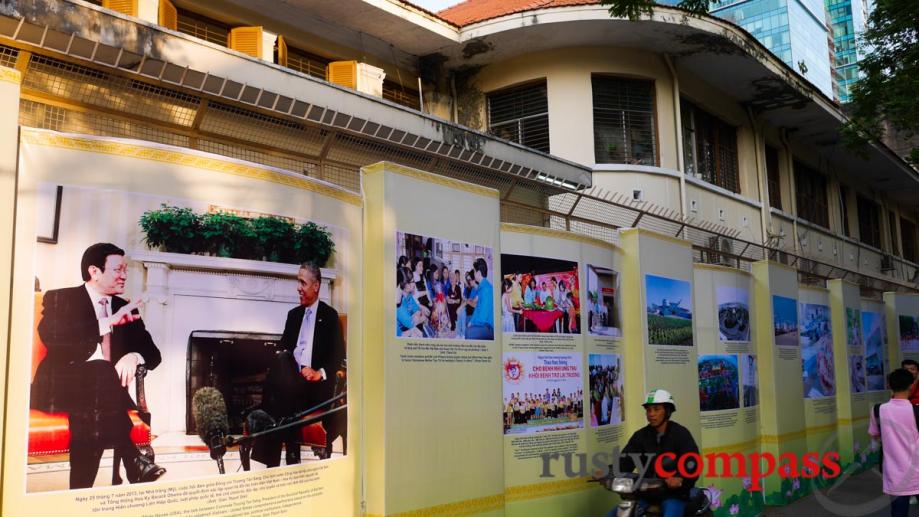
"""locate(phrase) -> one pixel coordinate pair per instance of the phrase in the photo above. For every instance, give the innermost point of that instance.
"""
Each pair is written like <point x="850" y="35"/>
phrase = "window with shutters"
<point x="342" y="73"/>
<point x="908" y="239"/>
<point x="624" y="123"/>
<point x="168" y="15"/>
<point x="869" y="222"/>
<point x="772" y="177"/>
<point x="128" y="7"/>
<point x="202" y="27"/>
<point x="709" y="147"/>
<point x="810" y="195"/>
<point x="247" y="40"/>
<point x="521" y="114"/>
<point x="844" y="209"/>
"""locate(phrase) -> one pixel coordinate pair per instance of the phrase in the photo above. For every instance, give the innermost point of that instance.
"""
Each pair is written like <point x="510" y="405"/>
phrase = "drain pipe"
<point x="758" y="153"/>
<point x="790" y="164"/>
<point x="678" y="122"/>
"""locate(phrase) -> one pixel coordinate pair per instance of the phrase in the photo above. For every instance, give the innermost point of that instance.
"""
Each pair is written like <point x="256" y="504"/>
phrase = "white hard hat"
<point x="659" y="396"/>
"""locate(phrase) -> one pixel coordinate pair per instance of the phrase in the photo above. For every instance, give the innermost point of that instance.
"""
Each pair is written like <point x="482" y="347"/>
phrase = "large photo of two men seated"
<point x="94" y="357"/>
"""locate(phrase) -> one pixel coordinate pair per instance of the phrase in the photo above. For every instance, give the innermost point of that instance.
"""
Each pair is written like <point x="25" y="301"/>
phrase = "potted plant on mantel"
<point x="266" y="238"/>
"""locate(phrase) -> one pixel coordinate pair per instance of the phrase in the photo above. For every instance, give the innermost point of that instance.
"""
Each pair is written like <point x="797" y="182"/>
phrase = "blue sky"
<point x="659" y="287"/>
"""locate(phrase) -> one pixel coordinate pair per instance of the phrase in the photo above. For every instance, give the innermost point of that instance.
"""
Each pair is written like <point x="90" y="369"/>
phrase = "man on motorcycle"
<point x="662" y="435"/>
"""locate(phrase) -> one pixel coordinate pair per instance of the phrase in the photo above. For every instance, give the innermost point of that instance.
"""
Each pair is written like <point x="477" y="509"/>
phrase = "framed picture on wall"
<point x="49" y="210"/>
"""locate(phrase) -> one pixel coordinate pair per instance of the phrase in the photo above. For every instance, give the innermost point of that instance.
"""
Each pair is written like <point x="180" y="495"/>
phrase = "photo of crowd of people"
<point x="540" y="295"/>
<point x="875" y="340"/>
<point x="817" y="351"/>
<point x="853" y="327"/>
<point x="750" y="386"/>
<point x="443" y="289"/>
<point x="604" y="317"/>
<point x="733" y="313"/>
<point x="785" y="320"/>
<point x="909" y="333"/>
<point x="718" y="382"/>
<point x="606" y="387"/>
<point x="669" y="311"/>
<point x="542" y="392"/>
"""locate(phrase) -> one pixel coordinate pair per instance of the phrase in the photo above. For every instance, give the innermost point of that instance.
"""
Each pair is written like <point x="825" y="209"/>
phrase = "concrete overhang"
<point x="87" y="33"/>
<point x="390" y="30"/>
<point x="728" y="58"/>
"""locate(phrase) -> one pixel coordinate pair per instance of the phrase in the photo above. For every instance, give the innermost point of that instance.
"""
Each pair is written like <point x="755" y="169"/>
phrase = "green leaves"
<point x="226" y="235"/>
<point x="314" y="243"/>
<point x="273" y="239"/>
<point x="635" y="9"/>
<point x="887" y="91"/>
<point x="172" y="228"/>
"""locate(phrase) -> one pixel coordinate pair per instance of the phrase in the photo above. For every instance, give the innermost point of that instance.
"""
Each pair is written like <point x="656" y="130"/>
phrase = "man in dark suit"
<point x="95" y="341"/>
<point x="303" y="374"/>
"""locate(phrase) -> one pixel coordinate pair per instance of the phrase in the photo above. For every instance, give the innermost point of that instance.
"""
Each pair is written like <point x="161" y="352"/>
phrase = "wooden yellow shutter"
<point x="343" y="73"/>
<point x="169" y="16"/>
<point x="247" y="40"/>
<point x="282" y="51"/>
<point x="128" y="7"/>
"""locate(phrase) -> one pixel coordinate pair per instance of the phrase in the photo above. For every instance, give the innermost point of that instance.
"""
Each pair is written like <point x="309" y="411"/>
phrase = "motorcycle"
<point x="633" y="488"/>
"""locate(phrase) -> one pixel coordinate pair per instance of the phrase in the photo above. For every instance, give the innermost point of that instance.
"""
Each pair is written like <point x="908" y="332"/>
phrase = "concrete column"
<point x="782" y="423"/>
<point x="10" y="82"/>
<point x="850" y="366"/>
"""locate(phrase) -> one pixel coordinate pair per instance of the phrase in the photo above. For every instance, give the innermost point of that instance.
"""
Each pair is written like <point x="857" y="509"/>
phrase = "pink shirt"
<point x="900" y="441"/>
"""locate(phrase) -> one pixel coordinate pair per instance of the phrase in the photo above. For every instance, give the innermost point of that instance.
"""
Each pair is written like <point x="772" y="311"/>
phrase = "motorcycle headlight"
<point x="623" y="485"/>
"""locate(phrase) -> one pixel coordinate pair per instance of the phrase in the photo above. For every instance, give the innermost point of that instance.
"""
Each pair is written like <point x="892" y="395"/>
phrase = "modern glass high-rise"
<point x="794" y="30"/>
<point x="847" y="18"/>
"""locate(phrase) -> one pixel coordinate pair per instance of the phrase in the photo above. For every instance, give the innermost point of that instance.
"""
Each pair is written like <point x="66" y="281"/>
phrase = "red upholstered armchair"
<point x="320" y="434"/>
<point x="49" y="432"/>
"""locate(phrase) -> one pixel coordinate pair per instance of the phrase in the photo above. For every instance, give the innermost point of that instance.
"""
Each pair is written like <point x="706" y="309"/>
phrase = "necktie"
<point x="106" y="339"/>
<point x="301" y="357"/>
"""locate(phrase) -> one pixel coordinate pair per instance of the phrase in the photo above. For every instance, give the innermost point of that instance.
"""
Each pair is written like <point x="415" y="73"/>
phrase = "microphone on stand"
<point x="210" y="414"/>
<point x="259" y="421"/>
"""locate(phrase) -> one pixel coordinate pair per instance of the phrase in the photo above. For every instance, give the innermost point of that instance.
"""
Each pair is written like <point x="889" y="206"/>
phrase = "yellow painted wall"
<point x="725" y="210"/>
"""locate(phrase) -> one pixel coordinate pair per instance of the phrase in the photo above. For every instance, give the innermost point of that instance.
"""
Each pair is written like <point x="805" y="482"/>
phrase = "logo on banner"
<point x="513" y="370"/>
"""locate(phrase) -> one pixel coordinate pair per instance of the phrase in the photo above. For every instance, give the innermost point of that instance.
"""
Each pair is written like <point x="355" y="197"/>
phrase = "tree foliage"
<point x="889" y="88"/>
<point x="635" y="9"/>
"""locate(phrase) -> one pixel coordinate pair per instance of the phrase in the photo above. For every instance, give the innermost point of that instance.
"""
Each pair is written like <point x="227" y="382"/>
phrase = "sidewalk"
<point x="857" y="496"/>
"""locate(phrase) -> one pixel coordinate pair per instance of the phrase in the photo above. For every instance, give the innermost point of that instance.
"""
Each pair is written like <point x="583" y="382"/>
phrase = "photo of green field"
<point x="669" y="311"/>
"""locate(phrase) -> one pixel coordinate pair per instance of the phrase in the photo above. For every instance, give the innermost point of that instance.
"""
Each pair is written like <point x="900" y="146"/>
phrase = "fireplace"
<point x="233" y="362"/>
<point x="187" y="296"/>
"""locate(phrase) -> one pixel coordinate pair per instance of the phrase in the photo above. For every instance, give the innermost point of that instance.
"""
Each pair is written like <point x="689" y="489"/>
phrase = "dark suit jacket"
<point x="70" y="331"/>
<point x="328" y="345"/>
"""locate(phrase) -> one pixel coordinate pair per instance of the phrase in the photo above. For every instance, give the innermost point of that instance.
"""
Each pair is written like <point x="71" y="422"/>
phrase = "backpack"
<point x="877" y="418"/>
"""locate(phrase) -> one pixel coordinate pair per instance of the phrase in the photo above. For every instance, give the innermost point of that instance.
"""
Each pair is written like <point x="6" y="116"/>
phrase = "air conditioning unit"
<point x="358" y="76"/>
<point x="716" y="244"/>
<point x="711" y="254"/>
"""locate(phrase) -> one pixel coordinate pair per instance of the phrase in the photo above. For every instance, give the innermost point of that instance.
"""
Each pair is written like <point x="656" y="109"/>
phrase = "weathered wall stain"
<point x="477" y="46"/>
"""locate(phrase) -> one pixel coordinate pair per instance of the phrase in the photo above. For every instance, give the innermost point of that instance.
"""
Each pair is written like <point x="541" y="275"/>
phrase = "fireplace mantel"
<point x="209" y="263"/>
